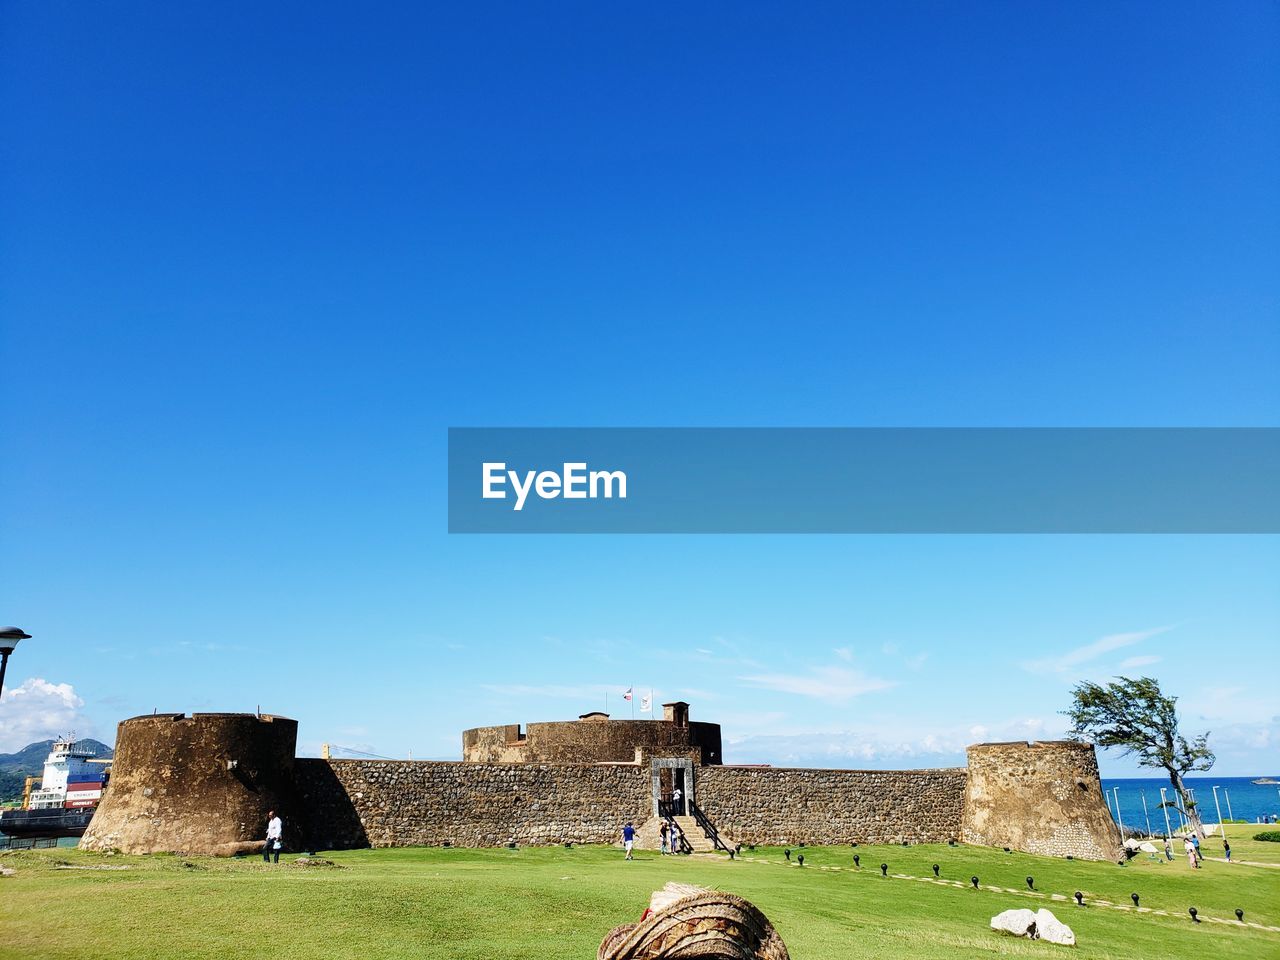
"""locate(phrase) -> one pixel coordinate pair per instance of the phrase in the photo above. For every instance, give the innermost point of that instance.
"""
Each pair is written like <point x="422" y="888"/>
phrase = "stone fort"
<point x="202" y="784"/>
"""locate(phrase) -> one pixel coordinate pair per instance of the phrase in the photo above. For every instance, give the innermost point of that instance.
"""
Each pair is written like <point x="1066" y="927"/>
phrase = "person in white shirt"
<point x="275" y="833"/>
<point x="676" y="805"/>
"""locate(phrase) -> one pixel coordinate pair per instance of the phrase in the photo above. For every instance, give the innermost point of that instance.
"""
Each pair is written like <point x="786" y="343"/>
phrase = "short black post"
<point x="1239" y="914"/>
<point x="857" y="861"/>
<point x="1193" y="912"/>
<point x="935" y="869"/>
<point x="1031" y="883"/>
<point x="1079" y="899"/>
<point x="1134" y="898"/>
<point x="884" y="869"/>
<point x="974" y="881"/>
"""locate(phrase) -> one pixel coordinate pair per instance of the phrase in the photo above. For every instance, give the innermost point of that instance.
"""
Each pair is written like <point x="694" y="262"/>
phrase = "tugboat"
<point x="69" y="792"/>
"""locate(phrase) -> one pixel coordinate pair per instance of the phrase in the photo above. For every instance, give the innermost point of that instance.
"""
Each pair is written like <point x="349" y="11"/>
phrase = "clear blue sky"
<point x="254" y="261"/>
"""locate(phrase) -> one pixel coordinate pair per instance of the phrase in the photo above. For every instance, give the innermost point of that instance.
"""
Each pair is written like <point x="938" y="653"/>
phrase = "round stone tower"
<point x="1041" y="798"/>
<point x="197" y="785"/>
<point x="595" y="738"/>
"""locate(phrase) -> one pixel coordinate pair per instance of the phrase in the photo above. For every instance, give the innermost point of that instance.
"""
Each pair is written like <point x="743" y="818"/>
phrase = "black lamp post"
<point x="9" y="637"/>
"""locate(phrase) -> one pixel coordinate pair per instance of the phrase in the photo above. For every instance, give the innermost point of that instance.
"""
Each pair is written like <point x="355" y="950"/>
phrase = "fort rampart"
<point x="594" y="738"/>
<point x="199" y="784"/>
<point x="1040" y="798"/>
<point x="203" y="784"/>
<point x="396" y="803"/>
<point x="780" y="805"/>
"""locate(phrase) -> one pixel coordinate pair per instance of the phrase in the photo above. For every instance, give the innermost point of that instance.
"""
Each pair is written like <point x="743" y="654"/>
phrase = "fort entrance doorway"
<point x="672" y="774"/>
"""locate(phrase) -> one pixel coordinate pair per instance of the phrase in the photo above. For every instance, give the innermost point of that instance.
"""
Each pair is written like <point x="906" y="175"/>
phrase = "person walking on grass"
<point x="628" y="839"/>
<point x="275" y="833"/>
<point x="1190" y="849"/>
<point x="1226" y="848"/>
<point x="1195" y="842"/>
<point x="1168" y="850"/>
<point x="662" y="832"/>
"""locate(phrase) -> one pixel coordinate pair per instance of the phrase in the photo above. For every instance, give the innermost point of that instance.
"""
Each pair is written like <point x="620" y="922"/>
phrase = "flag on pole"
<point x="627" y="695"/>
<point x="646" y="703"/>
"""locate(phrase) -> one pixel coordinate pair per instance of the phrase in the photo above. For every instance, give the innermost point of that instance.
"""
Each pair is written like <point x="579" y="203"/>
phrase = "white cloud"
<point x="832" y="684"/>
<point x="1132" y="663"/>
<point x="39" y="710"/>
<point x="1074" y="659"/>
<point x="912" y="661"/>
<point x="844" y="653"/>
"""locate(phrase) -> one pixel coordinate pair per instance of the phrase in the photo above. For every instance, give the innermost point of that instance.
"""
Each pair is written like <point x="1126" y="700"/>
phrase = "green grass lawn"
<point x="1243" y="846"/>
<point x="550" y="903"/>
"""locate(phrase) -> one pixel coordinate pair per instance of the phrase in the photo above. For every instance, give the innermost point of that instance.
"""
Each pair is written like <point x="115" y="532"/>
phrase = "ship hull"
<point x="48" y="823"/>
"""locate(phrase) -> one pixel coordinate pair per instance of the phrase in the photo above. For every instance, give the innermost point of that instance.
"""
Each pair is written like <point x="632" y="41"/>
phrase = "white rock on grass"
<point x="1049" y="927"/>
<point x="1040" y="925"/>
<point x="1020" y="923"/>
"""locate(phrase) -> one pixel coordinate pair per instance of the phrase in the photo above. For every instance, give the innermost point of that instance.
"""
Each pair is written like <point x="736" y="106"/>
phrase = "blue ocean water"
<point x="1248" y="801"/>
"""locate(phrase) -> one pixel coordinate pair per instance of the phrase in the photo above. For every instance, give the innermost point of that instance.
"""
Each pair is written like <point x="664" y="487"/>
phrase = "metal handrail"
<point x="700" y="818"/>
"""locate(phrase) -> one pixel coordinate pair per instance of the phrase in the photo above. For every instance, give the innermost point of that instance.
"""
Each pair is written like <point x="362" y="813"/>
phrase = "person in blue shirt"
<point x="628" y="838"/>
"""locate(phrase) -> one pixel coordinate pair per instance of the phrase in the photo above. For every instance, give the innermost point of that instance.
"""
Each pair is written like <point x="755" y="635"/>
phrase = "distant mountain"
<point x="29" y="762"/>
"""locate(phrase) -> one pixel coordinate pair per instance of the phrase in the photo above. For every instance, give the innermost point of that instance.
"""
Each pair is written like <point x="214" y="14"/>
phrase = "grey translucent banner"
<point x="864" y="480"/>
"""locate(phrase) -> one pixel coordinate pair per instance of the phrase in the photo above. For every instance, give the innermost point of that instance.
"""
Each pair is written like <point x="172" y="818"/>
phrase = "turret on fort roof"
<point x="596" y="738"/>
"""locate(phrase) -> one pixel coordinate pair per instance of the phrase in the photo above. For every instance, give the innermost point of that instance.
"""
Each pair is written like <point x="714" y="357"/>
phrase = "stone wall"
<point x="1041" y="798"/>
<point x="196" y="785"/>
<point x="780" y="805"/>
<point x="386" y="803"/>
<point x="593" y="739"/>
<point x="203" y="784"/>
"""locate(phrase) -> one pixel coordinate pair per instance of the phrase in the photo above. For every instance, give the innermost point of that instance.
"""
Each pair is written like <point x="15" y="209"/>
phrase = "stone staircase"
<point x="694" y="835"/>
<point x="647" y="837"/>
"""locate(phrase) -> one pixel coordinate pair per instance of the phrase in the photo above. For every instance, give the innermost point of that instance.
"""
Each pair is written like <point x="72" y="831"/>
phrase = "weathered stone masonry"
<point x="1039" y="797"/>
<point x="203" y="784"/>
<point x="407" y="803"/>
<point x="414" y="803"/>
<point x="772" y="805"/>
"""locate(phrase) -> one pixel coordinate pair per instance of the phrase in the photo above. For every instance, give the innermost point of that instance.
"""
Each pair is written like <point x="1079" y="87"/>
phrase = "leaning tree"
<point x="1135" y="717"/>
